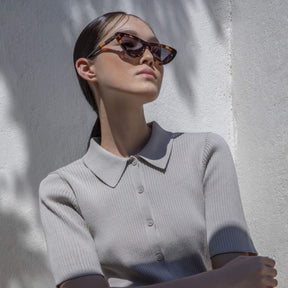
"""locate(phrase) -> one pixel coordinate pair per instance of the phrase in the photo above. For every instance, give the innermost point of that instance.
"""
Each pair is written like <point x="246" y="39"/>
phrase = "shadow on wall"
<point x="20" y="265"/>
<point x="37" y="39"/>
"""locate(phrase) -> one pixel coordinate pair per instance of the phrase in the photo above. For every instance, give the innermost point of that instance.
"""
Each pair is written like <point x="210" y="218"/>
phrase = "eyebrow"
<point x="153" y="38"/>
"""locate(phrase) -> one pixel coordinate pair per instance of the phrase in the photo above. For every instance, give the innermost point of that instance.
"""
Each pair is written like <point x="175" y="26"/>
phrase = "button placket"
<point x="145" y="209"/>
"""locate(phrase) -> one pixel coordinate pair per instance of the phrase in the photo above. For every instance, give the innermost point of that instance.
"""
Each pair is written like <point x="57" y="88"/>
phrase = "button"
<point x="159" y="257"/>
<point x="150" y="222"/>
<point x="140" y="189"/>
<point x="134" y="163"/>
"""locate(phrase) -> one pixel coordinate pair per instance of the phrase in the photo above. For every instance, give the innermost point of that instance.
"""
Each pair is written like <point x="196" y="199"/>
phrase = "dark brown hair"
<point x="88" y="39"/>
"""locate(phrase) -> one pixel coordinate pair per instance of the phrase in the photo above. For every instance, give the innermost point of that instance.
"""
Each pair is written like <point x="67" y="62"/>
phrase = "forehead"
<point x="131" y="25"/>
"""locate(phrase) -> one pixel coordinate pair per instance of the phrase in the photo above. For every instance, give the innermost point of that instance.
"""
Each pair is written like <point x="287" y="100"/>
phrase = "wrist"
<point x="221" y="278"/>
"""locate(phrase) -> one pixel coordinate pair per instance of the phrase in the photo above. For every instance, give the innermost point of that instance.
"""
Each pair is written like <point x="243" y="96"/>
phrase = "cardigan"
<point x="151" y="217"/>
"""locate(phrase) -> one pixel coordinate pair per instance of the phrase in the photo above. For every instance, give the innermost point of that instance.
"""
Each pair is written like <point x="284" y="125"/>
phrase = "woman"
<point x="143" y="206"/>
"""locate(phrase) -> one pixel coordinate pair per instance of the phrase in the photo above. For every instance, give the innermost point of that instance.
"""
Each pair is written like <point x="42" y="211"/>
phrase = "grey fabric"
<point x="147" y="218"/>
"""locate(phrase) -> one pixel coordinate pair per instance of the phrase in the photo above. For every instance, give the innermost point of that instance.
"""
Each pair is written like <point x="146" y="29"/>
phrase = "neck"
<point x="124" y="134"/>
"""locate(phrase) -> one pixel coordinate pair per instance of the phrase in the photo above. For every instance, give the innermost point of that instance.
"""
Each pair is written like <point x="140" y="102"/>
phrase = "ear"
<point x="84" y="69"/>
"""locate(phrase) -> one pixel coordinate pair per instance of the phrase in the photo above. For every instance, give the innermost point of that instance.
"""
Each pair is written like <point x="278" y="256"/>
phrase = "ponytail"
<point x="96" y="131"/>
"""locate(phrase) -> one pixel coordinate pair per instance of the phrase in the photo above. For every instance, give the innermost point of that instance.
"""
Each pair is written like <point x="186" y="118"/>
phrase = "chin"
<point x="149" y="89"/>
<point x="149" y="97"/>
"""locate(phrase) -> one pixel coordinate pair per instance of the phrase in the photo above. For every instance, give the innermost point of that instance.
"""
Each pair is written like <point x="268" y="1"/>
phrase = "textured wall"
<point x="45" y="121"/>
<point x="260" y="108"/>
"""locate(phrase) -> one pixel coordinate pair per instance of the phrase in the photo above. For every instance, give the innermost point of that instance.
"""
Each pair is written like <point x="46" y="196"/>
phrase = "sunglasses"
<point x="135" y="47"/>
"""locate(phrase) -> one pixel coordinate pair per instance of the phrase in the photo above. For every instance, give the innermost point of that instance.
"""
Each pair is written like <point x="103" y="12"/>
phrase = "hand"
<point x="250" y="272"/>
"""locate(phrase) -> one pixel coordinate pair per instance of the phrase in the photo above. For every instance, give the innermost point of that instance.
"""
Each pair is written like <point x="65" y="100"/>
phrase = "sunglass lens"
<point x="157" y="53"/>
<point x="132" y="45"/>
<point x="162" y="54"/>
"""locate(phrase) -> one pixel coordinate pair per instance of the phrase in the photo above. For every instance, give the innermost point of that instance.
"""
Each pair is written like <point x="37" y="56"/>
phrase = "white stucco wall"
<point x="260" y="108"/>
<point x="45" y="121"/>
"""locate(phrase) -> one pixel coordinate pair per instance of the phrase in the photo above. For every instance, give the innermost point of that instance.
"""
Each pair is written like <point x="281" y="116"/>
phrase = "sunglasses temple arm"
<point x="98" y="48"/>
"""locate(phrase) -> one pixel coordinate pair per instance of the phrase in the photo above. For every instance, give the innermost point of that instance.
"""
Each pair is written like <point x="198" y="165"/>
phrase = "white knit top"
<point x="151" y="217"/>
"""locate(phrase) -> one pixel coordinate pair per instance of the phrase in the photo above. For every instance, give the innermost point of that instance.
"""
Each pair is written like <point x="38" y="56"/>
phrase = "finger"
<point x="272" y="272"/>
<point x="270" y="282"/>
<point x="268" y="261"/>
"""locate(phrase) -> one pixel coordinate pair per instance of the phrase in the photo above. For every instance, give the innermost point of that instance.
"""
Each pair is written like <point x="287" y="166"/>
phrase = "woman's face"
<point x="117" y="73"/>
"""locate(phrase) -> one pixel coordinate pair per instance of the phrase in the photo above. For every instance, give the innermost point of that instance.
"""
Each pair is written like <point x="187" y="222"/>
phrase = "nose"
<point x="147" y="57"/>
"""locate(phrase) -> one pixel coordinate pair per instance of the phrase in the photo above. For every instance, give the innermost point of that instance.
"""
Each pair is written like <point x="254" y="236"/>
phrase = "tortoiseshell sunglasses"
<point x="135" y="47"/>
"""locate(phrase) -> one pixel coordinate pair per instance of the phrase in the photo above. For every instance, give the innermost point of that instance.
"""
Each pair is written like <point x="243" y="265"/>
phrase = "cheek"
<point x="162" y="75"/>
<point x="160" y="78"/>
<point x="112" y="71"/>
<point x="107" y="70"/>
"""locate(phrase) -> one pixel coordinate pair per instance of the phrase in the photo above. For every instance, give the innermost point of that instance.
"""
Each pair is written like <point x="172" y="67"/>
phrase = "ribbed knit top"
<point x="148" y="218"/>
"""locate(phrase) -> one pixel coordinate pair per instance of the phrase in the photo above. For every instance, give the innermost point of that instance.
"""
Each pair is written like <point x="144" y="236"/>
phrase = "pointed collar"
<point x="110" y="167"/>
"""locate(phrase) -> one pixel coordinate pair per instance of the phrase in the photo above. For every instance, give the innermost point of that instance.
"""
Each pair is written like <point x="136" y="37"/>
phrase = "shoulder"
<point x="197" y="136"/>
<point x="215" y="142"/>
<point x="71" y="168"/>
<point x="200" y="145"/>
<point x="56" y="181"/>
<point x="206" y="140"/>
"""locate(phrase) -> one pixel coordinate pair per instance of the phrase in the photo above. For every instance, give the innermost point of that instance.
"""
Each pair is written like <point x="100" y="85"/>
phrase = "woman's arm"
<point x="220" y="260"/>
<point x="242" y="272"/>
<point x="208" y="279"/>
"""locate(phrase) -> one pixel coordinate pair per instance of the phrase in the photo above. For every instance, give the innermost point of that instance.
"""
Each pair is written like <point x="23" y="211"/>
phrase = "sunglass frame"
<point x="118" y="36"/>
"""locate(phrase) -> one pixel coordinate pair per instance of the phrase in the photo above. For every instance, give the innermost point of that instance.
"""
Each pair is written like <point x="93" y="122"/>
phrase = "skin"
<point x="119" y="92"/>
<point x="120" y="95"/>
<point x="221" y="260"/>
<point x="241" y="272"/>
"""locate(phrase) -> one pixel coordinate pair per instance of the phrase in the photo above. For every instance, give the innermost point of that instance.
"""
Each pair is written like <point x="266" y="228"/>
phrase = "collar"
<point x="110" y="167"/>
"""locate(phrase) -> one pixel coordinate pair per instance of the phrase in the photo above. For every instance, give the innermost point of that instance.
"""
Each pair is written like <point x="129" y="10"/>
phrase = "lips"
<point x="147" y="71"/>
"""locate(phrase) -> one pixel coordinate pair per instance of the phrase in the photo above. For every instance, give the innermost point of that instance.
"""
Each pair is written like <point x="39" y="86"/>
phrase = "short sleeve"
<point x="226" y="226"/>
<point x="70" y="246"/>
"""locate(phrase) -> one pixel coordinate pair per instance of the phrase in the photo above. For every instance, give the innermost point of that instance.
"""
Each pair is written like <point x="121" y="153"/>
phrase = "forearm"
<point x="221" y="260"/>
<point x="214" y="278"/>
